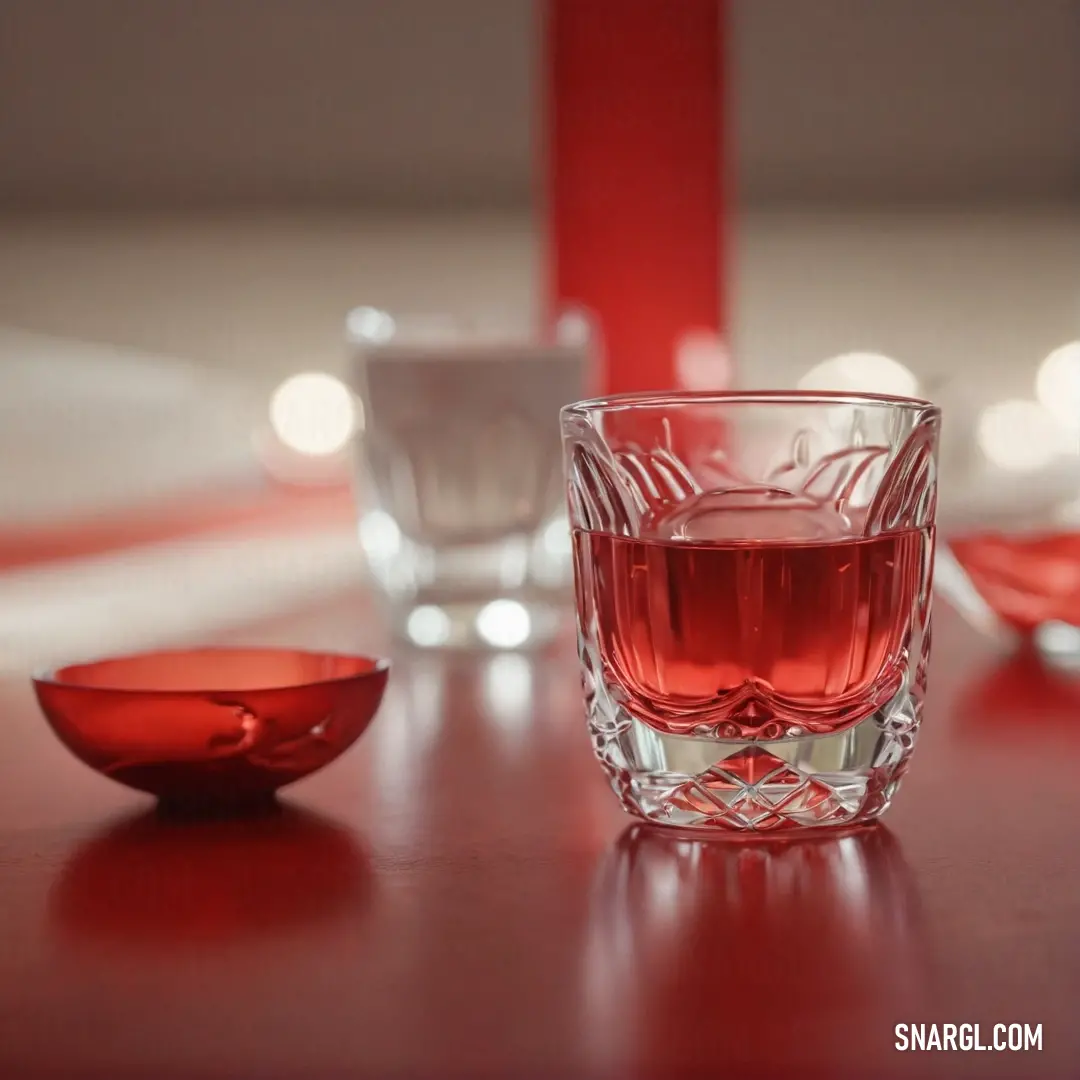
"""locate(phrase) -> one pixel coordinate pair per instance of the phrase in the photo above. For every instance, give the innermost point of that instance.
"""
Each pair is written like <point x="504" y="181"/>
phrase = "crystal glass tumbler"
<point x="463" y="520"/>
<point x="753" y="596"/>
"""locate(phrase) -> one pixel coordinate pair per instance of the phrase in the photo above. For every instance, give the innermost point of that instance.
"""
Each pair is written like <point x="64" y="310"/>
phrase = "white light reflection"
<point x="556" y="539"/>
<point x="313" y="413"/>
<point x="505" y="624"/>
<point x="428" y="626"/>
<point x="370" y="325"/>
<point x="1021" y="436"/>
<point x="702" y="362"/>
<point x="1059" y="644"/>
<point x="861" y="372"/>
<point x="402" y="744"/>
<point x="1057" y="385"/>
<point x="513" y="562"/>
<point x="508" y="687"/>
<point x="573" y="329"/>
<point x="551" y="558"/>
<point x="854" y="878"/>
<point x="380" y="536"/>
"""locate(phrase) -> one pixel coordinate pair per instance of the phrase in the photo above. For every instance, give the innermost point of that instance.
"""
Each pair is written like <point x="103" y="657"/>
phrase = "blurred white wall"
<point x="908" y="173"/>
<point x="194" y="103"/>
<point x="178" y="103"/>
<point x="907" y="100"/>
<point x="392" y="143"/>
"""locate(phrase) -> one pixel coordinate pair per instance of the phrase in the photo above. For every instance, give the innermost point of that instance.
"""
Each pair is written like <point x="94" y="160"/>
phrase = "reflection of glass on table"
<point x="463" y="522"/>
<point x="760" y="954"/>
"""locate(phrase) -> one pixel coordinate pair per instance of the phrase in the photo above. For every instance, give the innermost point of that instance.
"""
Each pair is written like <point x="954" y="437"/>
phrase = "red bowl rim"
<point x="52" y="676"/>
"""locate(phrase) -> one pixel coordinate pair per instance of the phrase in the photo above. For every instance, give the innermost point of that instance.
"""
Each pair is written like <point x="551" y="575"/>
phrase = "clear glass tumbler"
<point x="753" y="579"/>
<point x="463" y="515"/>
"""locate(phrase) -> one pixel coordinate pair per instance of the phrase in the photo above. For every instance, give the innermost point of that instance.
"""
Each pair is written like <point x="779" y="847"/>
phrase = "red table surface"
<point x="459" y="896"/>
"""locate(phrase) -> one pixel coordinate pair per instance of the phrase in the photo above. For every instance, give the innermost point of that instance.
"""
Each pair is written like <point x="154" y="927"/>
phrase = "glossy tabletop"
<point x="460" y="896"/>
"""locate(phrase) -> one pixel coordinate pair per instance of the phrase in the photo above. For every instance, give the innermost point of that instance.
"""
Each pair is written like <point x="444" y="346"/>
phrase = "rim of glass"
<point x="662" y="398"/>
<point x="570" y="327"/>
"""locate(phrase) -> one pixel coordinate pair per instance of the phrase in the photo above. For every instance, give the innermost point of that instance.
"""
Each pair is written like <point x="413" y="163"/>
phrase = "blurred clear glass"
<point x="459" y="464"/>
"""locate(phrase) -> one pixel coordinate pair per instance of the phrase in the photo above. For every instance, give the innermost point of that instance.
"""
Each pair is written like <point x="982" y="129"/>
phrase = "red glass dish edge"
<point x="53" y="675"/>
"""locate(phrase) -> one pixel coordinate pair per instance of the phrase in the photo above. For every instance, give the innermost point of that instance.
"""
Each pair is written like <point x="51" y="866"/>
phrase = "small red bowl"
<point x="209" y="728"/>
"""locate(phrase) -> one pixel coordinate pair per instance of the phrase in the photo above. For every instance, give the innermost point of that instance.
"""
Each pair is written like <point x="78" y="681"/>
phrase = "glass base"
<point x="724" y="786"/>
<point x="509" y="593"/>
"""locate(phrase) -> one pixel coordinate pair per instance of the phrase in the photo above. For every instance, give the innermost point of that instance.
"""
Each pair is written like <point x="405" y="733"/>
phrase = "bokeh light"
<point x="508" y="690"/>
<point x="370" y="325"/>
<point x="380" y="535"/>
<point x="1021" y="436"/>
<point x="1057" y="385"/>
<point x="428" y="626"/>
<point x="556" y="538"/>
<point x="573" y="329"/>
<point x="861" y="372"/>
<point x="313" y="413"/>
<point x="702" y="362"/>
<point x="505" y="624"/>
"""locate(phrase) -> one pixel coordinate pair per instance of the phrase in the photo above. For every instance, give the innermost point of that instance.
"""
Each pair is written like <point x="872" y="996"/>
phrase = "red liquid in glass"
<point x="1026" y="579"/>
<point x="755" y="638"/>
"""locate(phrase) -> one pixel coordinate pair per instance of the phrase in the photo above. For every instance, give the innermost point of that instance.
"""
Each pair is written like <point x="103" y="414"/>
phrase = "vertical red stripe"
<point x="634" y="133"/>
